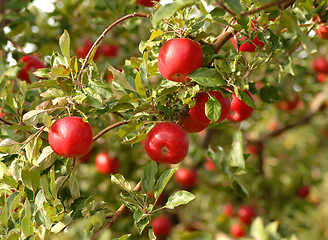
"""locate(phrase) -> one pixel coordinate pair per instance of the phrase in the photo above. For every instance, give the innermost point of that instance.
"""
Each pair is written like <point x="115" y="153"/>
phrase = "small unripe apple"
<point x="178" y="58"/>
<point x="197" y="112"/>
<point x="237" y="230"/>
<point x="31" y="64"/>
<point x="185" y="177"/>
<point x="147" y="3"/>
<point x="166" y="143"/>
<point x="229" y="210"/>
<point x="239" y="110"/>
<point x="162" y="226"/>
<point x="320" y="65"/>
<point x="106" y="164"/>
<point x="322" y="31"/>
<point x="70" y="137"/>
<point x="246" y="214"/>
<point x="303" y="191"/>
<point x="191" y="126"/>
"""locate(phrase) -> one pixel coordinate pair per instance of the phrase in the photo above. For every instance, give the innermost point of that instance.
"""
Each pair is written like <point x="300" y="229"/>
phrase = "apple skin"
<point x="1" y="113"/>
<point x="166" y="143"/>
<point x="237" y="230"/>
<point x="186" y="178"/>
<point x="147" y="3"/>
<point x="321" y="77"/>
<point x="197" y="112"/>
<point x="209" y="165"/>
<point x="105" y="164"/>
<point x="109" y="50"/>
<point x="70" y="137"/>
<point x="162" y="226"/>
<point x="239" y="110"/>
<point x="229" y="210"/>
<point x="303" y="191"/>
<point x="322" y="31"/>
<point x="31" y="64"/>
<point x="246" y="214"/>
<point x="178" y="58"/>
<point x="320" y="65"/>
<point x="191" y="126"/>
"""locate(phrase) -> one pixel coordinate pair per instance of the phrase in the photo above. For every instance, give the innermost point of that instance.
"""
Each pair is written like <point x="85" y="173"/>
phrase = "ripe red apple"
<point x="178" y="58"/>
<point x="290" y="105"/>
<point x="166" y="143"/>
<point x="322" y="31"/>
<point x="246" y="214"/>
<point x="320" y="65"/>
<point x="253" y="149"/>
<point x="191" y="126"/>
<point x="209" y="165"/>
<point x="147" y="3"/>
<point x="248" y="46"/>
<point x="109" y="50"/>
<point x="70" y="137"/>
<point x="162" y="226"/>
<point x="240" y="110"/>
<point x="106" y="164"/>
<point x="82" y="51"/>
<point x="1" y="113"/>
<point x="321" y="77"/>
<point x="31" y="64"/>
<point x="197" y="112"/>
<point x="237" y="230"/>
<point x="185" y="177"/>
<point x="229" y="210"/>
<point x="303" y="191"/>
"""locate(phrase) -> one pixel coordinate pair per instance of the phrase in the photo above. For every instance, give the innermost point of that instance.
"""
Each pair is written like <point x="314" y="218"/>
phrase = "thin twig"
<point x="19" y="48"/>
<point x="6" y="122"/>
<point x="115" y="125"/>
<point x="103" y="35"/>
<point x="115" y="216"/>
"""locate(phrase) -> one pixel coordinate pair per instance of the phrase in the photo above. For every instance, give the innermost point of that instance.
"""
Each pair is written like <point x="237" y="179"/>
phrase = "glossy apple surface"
<point x="239" y="110"/>
<point x="197" y="112"/>
<point x="320" y="65"/>
<point x="31" y="64"/>
<point x="185" y="177"/>
<point x="246" y="214"/>
<point x="237" y="230"/>
<point x="322" y="31"/>
<point x="178" y="58"/>
<point x="166" y="143"/>
<point x="106" y="164"/>
<point x="147" y="3"/>
<point x="191" y="126"/>
<point x="70" y="137"/>
<point x="162" y="226"/>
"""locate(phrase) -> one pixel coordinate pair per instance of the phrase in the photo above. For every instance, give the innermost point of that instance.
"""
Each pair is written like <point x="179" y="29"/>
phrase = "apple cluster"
<point x="320" y="67"/>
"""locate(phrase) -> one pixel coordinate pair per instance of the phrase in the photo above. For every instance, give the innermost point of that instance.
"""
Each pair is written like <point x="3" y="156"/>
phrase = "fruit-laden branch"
<point x="103" y="35"/>
<point x="105" y="130"/>
<point x="115" y="216"/>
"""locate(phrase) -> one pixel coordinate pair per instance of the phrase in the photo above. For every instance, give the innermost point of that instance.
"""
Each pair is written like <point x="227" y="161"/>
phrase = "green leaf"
<point x="10" y="146"/>
<point x="257" y="229"/>
<point x="140" y="88"/>
<point x="213" y="108"/>
<point x="207" y="77"/>
<point x="40" y="199"/>
<point x="3" y="169"/>
<point x="42" y="73"/>
<point x="247" y="99"/>
<point x="124" y="237"/>
<point x="47" y="158"/>
<point x="162" y="182"/>
<point x="33" y="117"/>
<point x="235" y="5"/>
<point x="179" y="198"/>
<point x="129" y="201"/>
<point x="170" y="9"/>
<point x="237" y="155"/>
<point x="240" y="189"/>
<point x="154" y="34"/>
<point x="270" y="94"/>
<point x="4" y="215"/>
<point x="148" y="176"/>
<point x="74" y="186"/>
<point x="142" y="224"/>
<point x="104" y="91"/>
<point x="26" y="221"/>
<point x="64" y="44"/>
<point x="137" y="215"/>
<point x="119" y="181"/>
<point x="196" y="235"/>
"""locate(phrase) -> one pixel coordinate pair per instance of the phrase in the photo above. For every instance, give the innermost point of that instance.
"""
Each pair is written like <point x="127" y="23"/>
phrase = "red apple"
<point x="321" y="77"/>
<point x="166" y="143"/>
<point x="229" y="210"/>
<point x="162" y="226"/>
<point x="240" y="110"/>
<point x="160" y="200"/>
<point x="303" y="191"/>
<point x="82" y="51"/>
<point x="1" y="113"/>
<point x="70" y="137"/>
<point x="248" y="46"/>
<point x="253" y="149"/>
<point x="290" y="105"/>
<point x="322" y="31"/>
<point x="320" y="65"/>
<point x="106" y="164"/>
<point x="246" y="214"/>
<point x="109" y="50"/>
<point x="178" y="58"/>
<point x="185" y="177"/>
<point x="147" y="3"/>
<point x="237" y="230"/>
<point x="31" y="64"/>
<point x="197" y="112"/>
<point x="191" y="126"/>
<point x="209" y="165"/>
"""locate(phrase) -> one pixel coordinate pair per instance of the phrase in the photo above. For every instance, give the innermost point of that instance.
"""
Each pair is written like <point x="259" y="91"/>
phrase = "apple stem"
<point x="97" y="42"/>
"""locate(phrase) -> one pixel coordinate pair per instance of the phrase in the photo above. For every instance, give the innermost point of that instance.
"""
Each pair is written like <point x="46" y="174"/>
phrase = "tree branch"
<point x="183" y="114"/>
<point x="103" y="35"/>
<point x="115" y="125"/>
<point x="115" y="216"/>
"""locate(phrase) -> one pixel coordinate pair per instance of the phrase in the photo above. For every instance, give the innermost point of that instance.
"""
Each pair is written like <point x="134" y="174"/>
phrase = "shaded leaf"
<point x="207" y="77"/>
<point x="148" y="176"/>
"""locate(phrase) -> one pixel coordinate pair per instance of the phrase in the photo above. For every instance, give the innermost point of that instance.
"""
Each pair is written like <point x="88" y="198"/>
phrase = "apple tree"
<point x="184" y="119"/>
